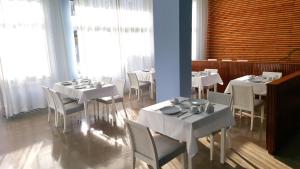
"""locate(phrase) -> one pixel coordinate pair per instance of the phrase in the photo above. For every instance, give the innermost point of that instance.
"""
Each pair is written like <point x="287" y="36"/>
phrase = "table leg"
<point x="212" y="139"/>
<point x="151" y="90"/>
<point x="190" y="162"/>
<point x="113" y="110"/>
<point x="215" y="87"/>
<point x="87" y="120"/>
<point x="184" y="160"/>
<point x="223" y="139"/>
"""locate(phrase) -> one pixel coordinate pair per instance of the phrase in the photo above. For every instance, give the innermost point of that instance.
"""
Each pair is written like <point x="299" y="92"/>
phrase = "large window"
<point x="113" y="37"/>
<point x="24" y="50"/>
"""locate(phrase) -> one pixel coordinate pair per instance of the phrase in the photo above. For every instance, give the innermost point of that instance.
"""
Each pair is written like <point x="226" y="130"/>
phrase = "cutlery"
<point x="182" y="113"/>
<point x="187" y="116"/>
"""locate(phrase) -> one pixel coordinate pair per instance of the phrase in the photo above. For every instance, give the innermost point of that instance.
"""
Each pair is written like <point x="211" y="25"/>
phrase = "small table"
<point x="259" y="88"/>
<point x="147" y="76"/>
<point x="85" y="94"/>
<point x="201" y="79"/>
<point x="188" y="127"/>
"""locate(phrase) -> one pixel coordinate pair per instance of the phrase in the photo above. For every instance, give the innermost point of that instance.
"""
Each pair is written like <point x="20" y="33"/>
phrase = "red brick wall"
<point x="257" y="30"/>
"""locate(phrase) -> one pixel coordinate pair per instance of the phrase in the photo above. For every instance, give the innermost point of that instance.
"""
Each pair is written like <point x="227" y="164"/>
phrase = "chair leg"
<point x="94" y="106"/>
<point x="129" y="93"/>
<point x="262" y="114"/>
<point x="207" y="90"/>
<point x="49" y="113"/>
<point x="65" y="124"/>
<point x="56" y="118"/>
<point x="98" y="112"/>
<point x="124" y="110"/>
<point x="212" y="140"/>
<point x="240" y="113"/>
<point x="133" y="162"/>
<point x="252" y="119"/>
<point x="107" y="112"/>
<point x="228" y="138"/>
<point x="138" y="93"/>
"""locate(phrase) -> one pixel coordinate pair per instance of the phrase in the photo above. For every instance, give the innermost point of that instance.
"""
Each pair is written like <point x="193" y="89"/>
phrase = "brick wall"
<point x="257" y="30"/>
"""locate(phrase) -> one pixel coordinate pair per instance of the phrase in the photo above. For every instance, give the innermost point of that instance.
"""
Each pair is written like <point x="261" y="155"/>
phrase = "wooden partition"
<point x="232" y="70"/>
<point x="283" y="105"/>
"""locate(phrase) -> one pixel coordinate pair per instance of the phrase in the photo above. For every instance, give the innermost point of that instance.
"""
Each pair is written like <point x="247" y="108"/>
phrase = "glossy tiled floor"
<point x="30" y="142"/>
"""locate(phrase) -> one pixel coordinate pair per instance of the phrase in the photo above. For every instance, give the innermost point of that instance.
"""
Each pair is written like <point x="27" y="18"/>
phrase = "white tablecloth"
<point x="186" y="129"/>
<point x="86" y="94"/>
<point x="200" y="80"/>
<point x="145" y="75"/>
<point x="258" y="88"/>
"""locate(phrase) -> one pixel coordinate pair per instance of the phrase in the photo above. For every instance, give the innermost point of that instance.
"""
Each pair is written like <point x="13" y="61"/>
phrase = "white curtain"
<point x="199" y="29"/>
<point x="28" y="54"/>
<point x="114" y="36"/>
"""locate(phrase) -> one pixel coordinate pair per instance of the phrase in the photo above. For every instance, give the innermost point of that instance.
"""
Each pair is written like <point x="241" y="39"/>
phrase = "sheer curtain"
<point x="114" y="36"/>
<point x="199" y="29"/>
<point x="28" y="55"/>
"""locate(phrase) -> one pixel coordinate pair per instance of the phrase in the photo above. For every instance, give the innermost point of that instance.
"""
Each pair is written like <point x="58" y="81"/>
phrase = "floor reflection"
<point x="31" y="142"/>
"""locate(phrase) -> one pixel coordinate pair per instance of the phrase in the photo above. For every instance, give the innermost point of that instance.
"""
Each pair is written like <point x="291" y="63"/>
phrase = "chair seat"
<point x="73" y="107"/>
<point x="144" y="83"/>
<point x="68" y="100"/>
<point x="167" y="148"/>
<point x="108" y="100"/>
<point x="258" y="102"/>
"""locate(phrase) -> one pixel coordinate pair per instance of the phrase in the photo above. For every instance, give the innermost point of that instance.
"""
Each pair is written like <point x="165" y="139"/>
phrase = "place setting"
<point x="185" y="108"/>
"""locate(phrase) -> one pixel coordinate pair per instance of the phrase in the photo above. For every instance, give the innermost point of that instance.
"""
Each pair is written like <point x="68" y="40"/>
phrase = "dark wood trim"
<point x="283" y="105"/>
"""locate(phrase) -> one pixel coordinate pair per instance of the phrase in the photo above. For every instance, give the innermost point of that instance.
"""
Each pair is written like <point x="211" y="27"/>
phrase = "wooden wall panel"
<point x="256" y="30"/>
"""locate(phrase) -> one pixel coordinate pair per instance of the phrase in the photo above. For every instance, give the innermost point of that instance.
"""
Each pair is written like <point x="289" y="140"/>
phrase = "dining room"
<point x="170" y="84"/>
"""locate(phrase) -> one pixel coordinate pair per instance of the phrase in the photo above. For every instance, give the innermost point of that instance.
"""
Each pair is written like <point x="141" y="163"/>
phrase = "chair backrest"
<point x="226" y="60"/>
<point x="49" y="97"/>
<point x="106" y="80"/>
<point x="211" y="70"/>
<point x="241" y="60"/>
<point x="142" y="142"/>
<point x="212" y="59"/>
<point x="220" y="98"/>
<point x="120" y="84"/>
<point x="275" y="75"/>
<point x="58" y="102"/>
<point x="133" y="80"/>
<point x="243" y="97"/>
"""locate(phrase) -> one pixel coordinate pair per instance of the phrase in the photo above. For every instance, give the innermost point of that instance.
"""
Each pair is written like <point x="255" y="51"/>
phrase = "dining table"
<point x="147" y="75"/>
<point x="85" y="92"/>
<point x="185" y="125"/>
<point x="203" y="79"/>
<point x="259" y="84"/>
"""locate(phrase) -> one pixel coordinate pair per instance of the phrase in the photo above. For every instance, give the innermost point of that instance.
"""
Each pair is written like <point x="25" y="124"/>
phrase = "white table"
<point x="188" y="128"/>
<point x="86" y="94"/>
<point x="201" y="79"/>
<point x="259" y="88"/>
<point x="147" y="76"/>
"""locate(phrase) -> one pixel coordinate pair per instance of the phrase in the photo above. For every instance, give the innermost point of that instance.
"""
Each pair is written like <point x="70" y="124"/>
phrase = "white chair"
<point x="50" y="101"/>
<point x="155" y="150"/>
<point x="211" y="70"/>
<point x="273" y="75"/>
<point x="211" y="86"/>
<point x="220" y="98"/>
<point x="64" y="110"/>
<point x="137" y="85"/>
<point x="106" y="80"/>
<point x="244" y="99"/>
<point x="212" y="59"/>
<point x="120" y="84"/>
